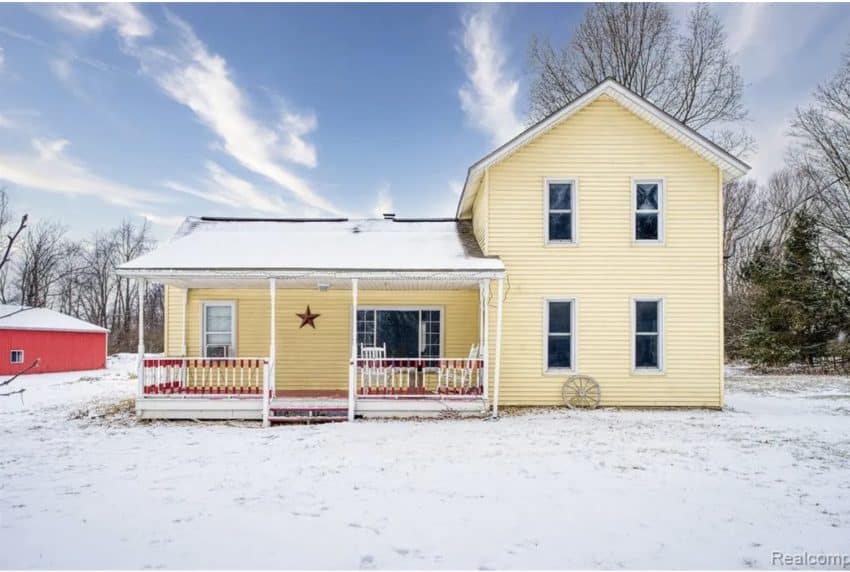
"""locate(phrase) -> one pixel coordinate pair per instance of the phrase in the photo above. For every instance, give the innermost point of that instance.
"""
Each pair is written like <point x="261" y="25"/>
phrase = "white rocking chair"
<point x="373" y="369"/>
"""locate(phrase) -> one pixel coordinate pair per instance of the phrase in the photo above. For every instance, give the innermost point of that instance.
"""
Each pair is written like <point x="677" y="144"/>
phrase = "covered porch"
<point x="432" y="332"/>
<point x="281" y="319"/>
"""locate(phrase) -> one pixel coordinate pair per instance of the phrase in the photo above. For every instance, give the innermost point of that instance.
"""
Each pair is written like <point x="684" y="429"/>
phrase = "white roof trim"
<point x="13" y="317"/>
<point x="229" y="274"/>
<point x="731" y="166"/>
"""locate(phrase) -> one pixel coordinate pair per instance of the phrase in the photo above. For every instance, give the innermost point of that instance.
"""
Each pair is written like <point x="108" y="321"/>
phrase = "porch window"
<point x="560" y="210"/>
<point x="648" y="341"/>
<point x="407" y="332"/>
<point x="219" y="332"/>
<point x="17" y="356"/>
<point x="560" y="341"/>
<point x="648" y="221"/>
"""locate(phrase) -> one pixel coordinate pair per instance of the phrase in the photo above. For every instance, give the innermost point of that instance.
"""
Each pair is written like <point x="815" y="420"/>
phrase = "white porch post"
<point x="498" y="365"/>
<point x="352" y="368"/>
<point x="269" y="378"/>
<point x="142" y="285"/>
<point x="484" y="333"/>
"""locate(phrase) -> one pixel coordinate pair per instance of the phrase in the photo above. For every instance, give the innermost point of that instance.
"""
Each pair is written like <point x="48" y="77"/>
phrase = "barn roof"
<point x="26" y="318"/>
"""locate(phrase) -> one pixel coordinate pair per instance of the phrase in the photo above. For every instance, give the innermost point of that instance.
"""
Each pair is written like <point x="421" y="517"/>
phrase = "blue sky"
<point x="292" y="110"/>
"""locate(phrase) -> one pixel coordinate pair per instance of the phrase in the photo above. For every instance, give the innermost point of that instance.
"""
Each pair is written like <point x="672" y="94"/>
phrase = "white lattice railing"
<point x="427" y="376"/>
<point x="203" y="376"/>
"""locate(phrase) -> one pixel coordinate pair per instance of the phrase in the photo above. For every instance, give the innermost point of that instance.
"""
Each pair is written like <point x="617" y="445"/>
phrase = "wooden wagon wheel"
<point x="580" y="391"/>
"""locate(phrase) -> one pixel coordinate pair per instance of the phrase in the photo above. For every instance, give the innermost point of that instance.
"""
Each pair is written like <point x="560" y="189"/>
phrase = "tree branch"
<point x="20" y="373"/>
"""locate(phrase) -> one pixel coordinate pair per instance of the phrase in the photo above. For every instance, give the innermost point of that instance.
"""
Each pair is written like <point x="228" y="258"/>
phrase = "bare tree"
<point x="41" y="263"/>
<point x="822" y="133"/>
<point x="743" y="211"/>
<point x="10" y="237"/>
<point x="98" y="278"/>
<point x="689" y="75"/>
<point x="131" y="241"/>
<point x="66" y="293"/>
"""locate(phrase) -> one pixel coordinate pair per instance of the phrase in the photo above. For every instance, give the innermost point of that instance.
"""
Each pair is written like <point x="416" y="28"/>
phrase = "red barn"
<point x="58" y="341"/>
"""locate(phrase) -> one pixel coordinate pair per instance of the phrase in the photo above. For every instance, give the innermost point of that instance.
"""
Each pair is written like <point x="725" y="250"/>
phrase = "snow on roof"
<point x="320" y="244"/>
<point x="26" y="318"/>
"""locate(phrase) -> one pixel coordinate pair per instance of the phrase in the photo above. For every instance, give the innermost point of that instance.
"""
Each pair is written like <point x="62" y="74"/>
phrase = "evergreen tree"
<point x="800" y="303"/>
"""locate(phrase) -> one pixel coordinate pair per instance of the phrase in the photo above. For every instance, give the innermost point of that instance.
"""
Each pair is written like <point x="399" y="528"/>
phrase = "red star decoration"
<point x="308" y="318"/>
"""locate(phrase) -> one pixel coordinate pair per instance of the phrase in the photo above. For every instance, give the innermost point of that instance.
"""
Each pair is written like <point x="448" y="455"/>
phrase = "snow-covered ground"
<point x="82" y="485"/>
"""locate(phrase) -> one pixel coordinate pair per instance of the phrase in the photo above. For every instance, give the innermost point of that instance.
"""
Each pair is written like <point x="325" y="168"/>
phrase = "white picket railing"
<point x="420" y="377"/>
<point x="243" y="376"/>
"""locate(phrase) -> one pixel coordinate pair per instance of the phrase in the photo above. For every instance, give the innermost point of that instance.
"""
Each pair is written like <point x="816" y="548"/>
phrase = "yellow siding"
<point x="604" y="146"/>
<point x="309" y="359"/>
<point x="173" y="321"/>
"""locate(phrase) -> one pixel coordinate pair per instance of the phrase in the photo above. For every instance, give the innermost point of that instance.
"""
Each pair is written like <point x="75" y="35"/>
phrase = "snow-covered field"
<point x="82" y="485"/>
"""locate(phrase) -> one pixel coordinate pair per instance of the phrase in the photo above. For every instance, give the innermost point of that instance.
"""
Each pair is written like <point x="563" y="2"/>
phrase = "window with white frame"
<point x="560" y="334"/>
<point x="17" y="356"/>
<point x="649" y="220"/>
<point x="406" y="332"/>
<point x="560" y="210"/>
<point x="219" y="331"/>
<point x="648" y="342"/>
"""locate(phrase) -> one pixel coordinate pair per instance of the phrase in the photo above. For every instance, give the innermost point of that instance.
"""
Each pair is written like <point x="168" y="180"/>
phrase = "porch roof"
<point x="252" y="248"/>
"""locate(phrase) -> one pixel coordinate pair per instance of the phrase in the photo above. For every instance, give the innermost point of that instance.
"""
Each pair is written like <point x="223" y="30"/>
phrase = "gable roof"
<point x="26" y="318"/>
<point x="731" y="166"/>
<point x="252" y="246"/>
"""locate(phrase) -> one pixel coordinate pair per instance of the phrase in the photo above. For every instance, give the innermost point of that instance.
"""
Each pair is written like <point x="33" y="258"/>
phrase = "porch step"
<point x="308" y="414"/>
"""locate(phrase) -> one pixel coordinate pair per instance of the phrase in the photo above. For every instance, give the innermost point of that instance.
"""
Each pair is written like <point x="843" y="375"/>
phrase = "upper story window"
<point x="560" y="334"/>
<point x="648" y="210"/>
<point x="648" y="342"/>
<point x="17" y="356"/>
<point x="219" y="329"/>
<point x="560" y="211"/>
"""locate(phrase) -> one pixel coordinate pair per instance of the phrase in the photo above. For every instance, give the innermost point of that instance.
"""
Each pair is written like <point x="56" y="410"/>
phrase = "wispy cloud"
<point x="90" y="62"/>
<point x="51" y="149"/>
<point x="48" y="168"/>
<point x="384" y="202"/>
<point x="224" y="188"/>
<point x="2" y="58"/>
<point x="61" y="68"/>
<point x="127" y="19"/>
<point x="191" y="74"/>
<point x="162" y="220"/>
<point x="489" y="96"/>
<point x="294" y="127"/>
<point x="202" y="81"/>
<point x="802" y="53"/>
<point x="785" y="28"/>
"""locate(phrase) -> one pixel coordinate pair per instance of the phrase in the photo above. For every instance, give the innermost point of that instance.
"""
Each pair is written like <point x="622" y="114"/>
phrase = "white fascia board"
<point x="448" y="275"/>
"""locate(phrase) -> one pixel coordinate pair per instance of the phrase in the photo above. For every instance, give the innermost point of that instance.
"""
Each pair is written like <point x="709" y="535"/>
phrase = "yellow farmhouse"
<point x="588" y="248"/>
